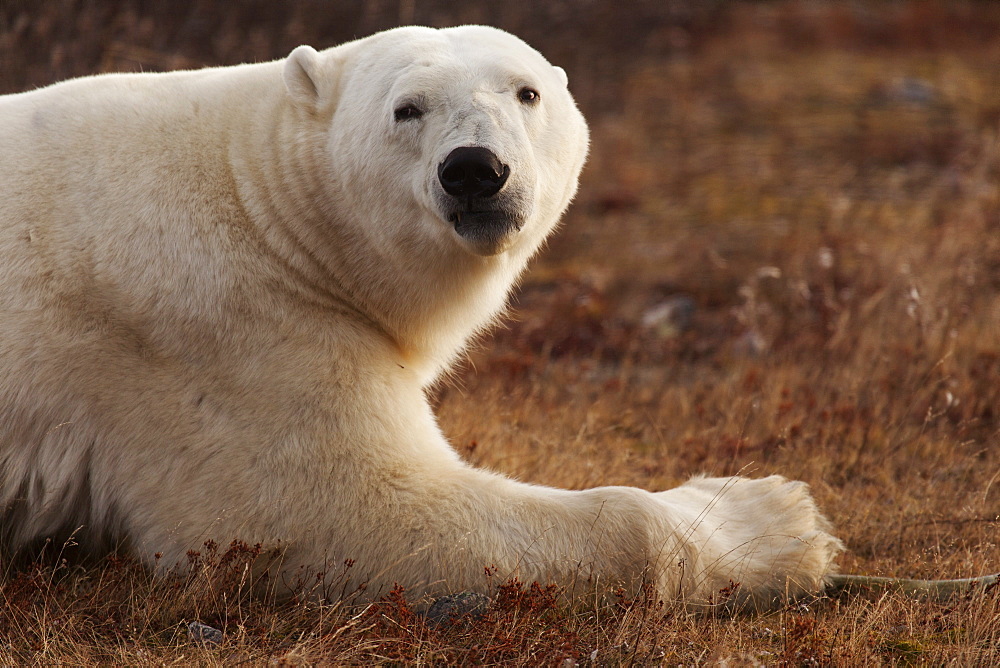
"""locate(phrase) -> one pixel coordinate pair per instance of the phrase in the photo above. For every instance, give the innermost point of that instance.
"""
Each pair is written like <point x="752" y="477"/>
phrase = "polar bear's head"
<point x="423" y="169"/>
<point x="465" y="138"/>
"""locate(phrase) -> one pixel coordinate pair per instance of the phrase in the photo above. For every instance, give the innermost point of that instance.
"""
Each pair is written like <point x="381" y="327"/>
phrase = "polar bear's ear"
<point x="561" y="73"/>
<point x="301" y="76"/>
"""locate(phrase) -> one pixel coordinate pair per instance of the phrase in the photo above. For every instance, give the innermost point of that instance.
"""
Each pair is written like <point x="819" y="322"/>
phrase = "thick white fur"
<point x="223" y="293"/>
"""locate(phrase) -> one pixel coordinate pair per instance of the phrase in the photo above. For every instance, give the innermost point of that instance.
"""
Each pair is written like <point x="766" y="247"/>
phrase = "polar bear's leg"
<point x="690" y="543"/>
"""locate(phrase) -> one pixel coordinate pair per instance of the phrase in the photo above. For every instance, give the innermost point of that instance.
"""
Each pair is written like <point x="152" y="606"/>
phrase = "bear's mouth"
<point x="487" y="232"/>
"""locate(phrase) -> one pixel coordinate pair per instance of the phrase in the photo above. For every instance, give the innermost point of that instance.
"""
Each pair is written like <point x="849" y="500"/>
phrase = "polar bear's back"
<point x="96" y="127"/>
<point x="107" y="169"/>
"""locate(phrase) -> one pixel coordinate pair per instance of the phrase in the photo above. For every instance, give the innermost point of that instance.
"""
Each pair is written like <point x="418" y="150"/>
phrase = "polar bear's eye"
<point x="528" y="95"/>
<point x="408" y="112"/>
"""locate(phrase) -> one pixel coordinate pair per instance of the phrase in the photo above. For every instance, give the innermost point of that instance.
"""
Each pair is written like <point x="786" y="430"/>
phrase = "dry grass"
<point x="821" y="182"/>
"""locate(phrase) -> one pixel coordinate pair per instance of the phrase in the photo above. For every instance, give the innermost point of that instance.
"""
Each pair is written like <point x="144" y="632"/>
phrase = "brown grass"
<point x="821" y="181"/>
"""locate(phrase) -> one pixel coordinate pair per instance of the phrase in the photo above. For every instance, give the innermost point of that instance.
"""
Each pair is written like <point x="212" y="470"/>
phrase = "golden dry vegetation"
<point x="785" y="258"/>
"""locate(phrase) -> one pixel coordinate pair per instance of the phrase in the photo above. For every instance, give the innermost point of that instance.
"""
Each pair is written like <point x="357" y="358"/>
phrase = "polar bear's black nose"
<point x="472" y="171"/>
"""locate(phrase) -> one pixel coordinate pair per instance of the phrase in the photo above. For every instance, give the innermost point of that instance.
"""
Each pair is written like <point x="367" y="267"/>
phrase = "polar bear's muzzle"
<point x="473" y="177"/>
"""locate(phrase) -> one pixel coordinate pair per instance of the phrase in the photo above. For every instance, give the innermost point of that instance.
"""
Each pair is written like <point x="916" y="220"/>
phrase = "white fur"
<point x="223" y="292"/>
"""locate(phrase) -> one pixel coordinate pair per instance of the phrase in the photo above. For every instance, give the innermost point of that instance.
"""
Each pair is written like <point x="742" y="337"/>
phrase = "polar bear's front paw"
<point x="767" y="535"/>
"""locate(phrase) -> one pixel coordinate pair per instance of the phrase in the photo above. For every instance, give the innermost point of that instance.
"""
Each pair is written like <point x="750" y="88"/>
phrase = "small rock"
<point x="670" y="317"/>
<point x="750" y="344"/>
<point x="907" y="91"/>
<point x="465" y="606"/>
<point x="204" y="635"/>
<point x="910" y="90"/>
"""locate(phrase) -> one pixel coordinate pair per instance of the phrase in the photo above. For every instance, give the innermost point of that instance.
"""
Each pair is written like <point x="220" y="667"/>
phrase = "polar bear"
<point x="223" y="294"/>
